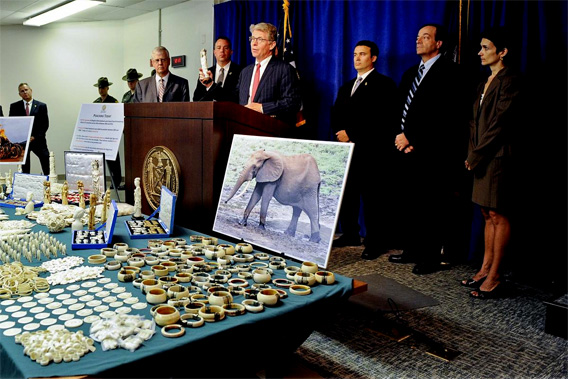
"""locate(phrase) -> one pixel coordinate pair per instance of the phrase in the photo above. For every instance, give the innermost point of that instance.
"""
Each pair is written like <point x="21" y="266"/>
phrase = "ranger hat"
<point x="102" y="82"/>
<point x="132" y="75"/>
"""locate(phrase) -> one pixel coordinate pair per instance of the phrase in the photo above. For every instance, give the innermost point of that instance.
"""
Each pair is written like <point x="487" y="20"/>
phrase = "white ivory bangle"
<point x="300" y="289"/>
<point x="97" y="259"/>
<point x="113" y="265"/>
<point x="244" y="248"/>
<point x="325" y="277"/>
<point x="173" y="331"/>
<point x="234" y="309"/>
<point x="212" y="313"/>
<point x="108" y="251"/>
<point x="253" y="306"/>
<point x="192" y="320"/>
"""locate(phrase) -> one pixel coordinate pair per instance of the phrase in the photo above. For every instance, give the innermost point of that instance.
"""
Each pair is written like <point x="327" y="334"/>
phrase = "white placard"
<point x="24" y="183"/>
<point x="99" y="129"/>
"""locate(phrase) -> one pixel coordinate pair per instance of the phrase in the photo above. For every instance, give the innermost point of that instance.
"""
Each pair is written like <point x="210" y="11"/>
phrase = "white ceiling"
<point x="15" y="12"/>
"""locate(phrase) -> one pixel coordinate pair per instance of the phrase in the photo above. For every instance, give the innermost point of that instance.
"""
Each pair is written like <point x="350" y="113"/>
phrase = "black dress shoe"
<point x="371" y="253"/>
<point x="426" y="268"/>
<point x="347" y="241"/>
<point x="121" y="187"/>
<point x="402" y="258"/>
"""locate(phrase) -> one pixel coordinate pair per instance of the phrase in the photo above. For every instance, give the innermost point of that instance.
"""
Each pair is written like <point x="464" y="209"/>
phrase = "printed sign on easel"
<point x="99" y="129"/>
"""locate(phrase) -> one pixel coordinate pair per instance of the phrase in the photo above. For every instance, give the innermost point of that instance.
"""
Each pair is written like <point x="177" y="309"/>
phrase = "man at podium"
<point x="270" y="85"/>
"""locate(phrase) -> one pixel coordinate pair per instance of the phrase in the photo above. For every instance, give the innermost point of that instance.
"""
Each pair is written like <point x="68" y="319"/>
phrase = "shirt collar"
<point x="364" y="76"/>
<point x="165" y="78"/>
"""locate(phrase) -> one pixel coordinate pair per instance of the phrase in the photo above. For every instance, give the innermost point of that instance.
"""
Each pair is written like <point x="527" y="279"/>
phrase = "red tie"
<point x="255" y="82"/>
<point x="27" y="109"/>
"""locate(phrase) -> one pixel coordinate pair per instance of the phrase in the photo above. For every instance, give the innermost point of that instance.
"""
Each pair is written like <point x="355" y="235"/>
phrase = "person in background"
<point x="365" y="113"/>
<point x="113" y="166"/>
<point x="222" y="77"/>
<point x="163" y="86"/>
<point x="432" y="138"/>
<point x="103" y="85"/>
<point x="1" y="113"/>
<point x="496" y="115"/>
<point x="132" y="77"/>
<point x="269" y="86"/>
<point x="29" y="106"/>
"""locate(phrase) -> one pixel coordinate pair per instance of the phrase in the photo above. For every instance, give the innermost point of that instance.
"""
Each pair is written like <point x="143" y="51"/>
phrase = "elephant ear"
<point x="272" y="168"/>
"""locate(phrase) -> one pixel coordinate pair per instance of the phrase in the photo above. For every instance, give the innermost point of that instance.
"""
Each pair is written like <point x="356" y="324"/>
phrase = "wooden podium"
<point x="200" y="136"/>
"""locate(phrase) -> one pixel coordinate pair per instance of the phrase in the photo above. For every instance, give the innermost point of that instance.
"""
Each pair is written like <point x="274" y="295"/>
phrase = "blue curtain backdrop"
<point x="325" y="33"/>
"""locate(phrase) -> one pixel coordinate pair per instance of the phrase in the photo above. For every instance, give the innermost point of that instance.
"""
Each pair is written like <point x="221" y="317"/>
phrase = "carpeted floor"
<point x="501" y="338"/>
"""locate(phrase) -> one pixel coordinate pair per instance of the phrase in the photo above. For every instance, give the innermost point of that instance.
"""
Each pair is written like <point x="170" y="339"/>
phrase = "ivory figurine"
<point x="30" y="203"/>
<point x="77" y="222"/>
<point x="52" y="173"/>
<point x="65" y="193"/>
<point x="46" y="192"/>
<point x="203" y="59"/>
<point x="80" y="187"/>
<point x="137" y="200"/>
<point x="106" y="205"/>
<point x="92" y="208"/>
<point x="96" y="178"/>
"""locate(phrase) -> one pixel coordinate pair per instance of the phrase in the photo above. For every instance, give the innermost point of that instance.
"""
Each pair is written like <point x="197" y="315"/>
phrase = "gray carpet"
<point x="385" y="294"/>
<point x="501" y="338"/>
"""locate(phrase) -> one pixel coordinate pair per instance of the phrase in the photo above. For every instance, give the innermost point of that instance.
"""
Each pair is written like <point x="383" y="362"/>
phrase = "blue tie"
<point x="410" y="96"/>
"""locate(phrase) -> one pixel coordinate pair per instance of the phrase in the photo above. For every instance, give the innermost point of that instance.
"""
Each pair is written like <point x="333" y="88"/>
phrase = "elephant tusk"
<point x="243" y="191"/>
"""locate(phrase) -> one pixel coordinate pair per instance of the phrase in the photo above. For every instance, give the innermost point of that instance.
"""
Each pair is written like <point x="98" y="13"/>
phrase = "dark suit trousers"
<point x="115" y="170"/>
<point x="39" y="147"/>
<point x="376" y="196"/>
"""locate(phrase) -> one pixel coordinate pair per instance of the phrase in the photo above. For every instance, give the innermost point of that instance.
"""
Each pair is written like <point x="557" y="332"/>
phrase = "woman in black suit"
<point x="495" y="112"/>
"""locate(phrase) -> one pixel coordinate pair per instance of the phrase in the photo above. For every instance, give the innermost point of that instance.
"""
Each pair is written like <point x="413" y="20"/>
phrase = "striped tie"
<point x="27" y="108"/>
<point x="161" y="91"/>
<point x="359" y="80"/>
<point x="221" y="77"/>
<point x="413" y="88"/>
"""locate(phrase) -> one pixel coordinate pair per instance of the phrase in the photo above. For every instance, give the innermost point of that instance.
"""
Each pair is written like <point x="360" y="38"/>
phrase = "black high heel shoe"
<point x="497" y="292"/>
<point x="472" y="283"/>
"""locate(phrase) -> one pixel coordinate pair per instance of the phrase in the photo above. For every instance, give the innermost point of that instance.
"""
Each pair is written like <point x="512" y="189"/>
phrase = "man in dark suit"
<point x="163" y="86"/>
<point x="432" y="142"/>
<point x="365" y="113"/>
<point x="269" y="86"/>
<point x="222" y="78"/>
<point x="1" y="113"/>
<point x="38" y="142"/>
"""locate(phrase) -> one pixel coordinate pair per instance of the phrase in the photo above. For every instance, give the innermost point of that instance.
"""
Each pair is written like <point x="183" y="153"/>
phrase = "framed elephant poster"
<point x="293" y="204"/>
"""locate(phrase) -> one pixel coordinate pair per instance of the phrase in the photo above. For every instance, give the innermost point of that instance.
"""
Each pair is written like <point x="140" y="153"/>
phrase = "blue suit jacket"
<point x="177" y="90"/>
<point x="277" y="91"/>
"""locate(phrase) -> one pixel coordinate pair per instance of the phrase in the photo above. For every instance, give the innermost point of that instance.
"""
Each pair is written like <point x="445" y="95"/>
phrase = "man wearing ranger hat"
<point x="103" y="85"/>
<point x="113" y="166"/>
<point x="131" y="77"/>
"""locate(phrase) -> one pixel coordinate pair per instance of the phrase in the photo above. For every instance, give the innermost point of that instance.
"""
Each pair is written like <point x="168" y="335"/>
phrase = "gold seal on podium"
<point x="161" y="168"/>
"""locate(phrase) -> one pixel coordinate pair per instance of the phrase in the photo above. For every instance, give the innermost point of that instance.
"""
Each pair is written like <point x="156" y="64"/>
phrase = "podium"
<point x="200" y="136"/>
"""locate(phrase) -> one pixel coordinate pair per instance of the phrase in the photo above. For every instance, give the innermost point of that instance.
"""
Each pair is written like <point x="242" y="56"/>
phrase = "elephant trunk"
<point x="236" y="188"/>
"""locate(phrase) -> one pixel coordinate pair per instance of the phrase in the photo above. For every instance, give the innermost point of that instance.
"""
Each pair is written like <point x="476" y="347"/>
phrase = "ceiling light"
<point x="63" y="11"/>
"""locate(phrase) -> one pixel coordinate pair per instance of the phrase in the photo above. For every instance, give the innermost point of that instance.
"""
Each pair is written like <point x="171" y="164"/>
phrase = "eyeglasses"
<point x="258" y="39"/>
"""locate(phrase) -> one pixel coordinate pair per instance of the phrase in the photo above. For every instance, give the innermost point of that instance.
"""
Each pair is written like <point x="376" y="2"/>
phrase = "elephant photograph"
<point x="283" y="194"/>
